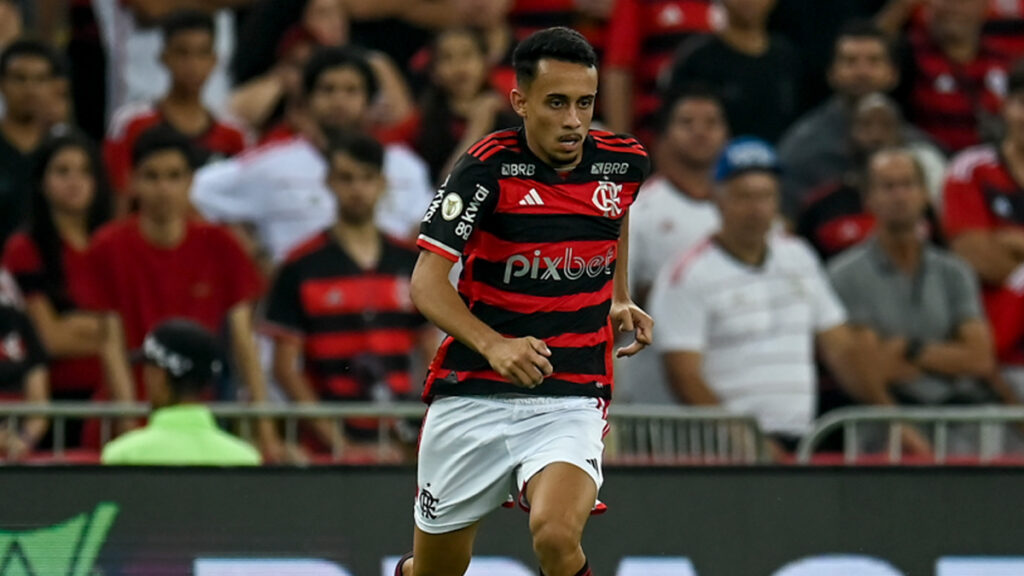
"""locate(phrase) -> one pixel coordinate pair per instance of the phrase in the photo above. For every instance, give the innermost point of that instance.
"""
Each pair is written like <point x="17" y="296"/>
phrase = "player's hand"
<point x="628" y="317"/>
<point x="522" y="361"/>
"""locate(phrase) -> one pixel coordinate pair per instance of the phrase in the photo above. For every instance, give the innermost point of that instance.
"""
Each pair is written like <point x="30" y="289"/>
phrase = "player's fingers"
<point x="645" y="334"/>
<point x="630" y="350"/>
<point x="542" y="364"/>
<point x="626" y="322"/>
<point x="539" y="345"/>
<point x="518" y="376"/>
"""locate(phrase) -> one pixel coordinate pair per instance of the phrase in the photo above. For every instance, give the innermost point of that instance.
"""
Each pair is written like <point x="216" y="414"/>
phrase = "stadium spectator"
<point x="835" y="216"/>
<point x="918" y="306"/>
<point x="133" y="40"/>
<point x="189" y="57"/>
<point x="983" y="215"/>
<point x="757" y="73"/>
<point x="70" y="201"/>
<point x="23" y="372"/>
<point x="181" y="361"/>
<point x="672" y="214"/>
<point x="642" y="38"/>
<point x="459" y="107"/>
<point x="815" y="148"/>
<point x="953" y="79"/>
<point x="161" y="264"/>
<point x="1003" y="28"/>
<point x="26" y="71"/>
<point x="738" y="316"/>
<point x="588" y="17"/>
<point x="280" y="188"/>
<point x="339" y="310"/>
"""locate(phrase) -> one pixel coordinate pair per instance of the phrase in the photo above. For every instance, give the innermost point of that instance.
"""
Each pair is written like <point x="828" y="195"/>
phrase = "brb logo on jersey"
<point x="606" y="198"/>
<point x="545" y="268"/>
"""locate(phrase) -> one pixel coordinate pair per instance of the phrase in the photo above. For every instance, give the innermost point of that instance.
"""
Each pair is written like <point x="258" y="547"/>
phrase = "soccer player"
<point x="519" y="389"/>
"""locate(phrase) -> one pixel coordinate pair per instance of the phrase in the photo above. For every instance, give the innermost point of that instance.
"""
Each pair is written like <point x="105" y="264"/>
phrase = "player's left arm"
<point x="626" y="315"/>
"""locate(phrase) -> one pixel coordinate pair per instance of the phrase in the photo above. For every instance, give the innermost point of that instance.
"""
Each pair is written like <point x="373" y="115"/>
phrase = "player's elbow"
<point x="419" y="288"/>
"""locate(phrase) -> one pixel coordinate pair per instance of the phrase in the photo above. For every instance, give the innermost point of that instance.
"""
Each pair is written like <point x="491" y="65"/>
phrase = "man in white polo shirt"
<point x="740" y="314"/>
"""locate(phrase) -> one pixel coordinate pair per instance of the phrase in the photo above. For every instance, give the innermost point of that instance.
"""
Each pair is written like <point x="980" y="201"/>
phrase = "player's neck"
<point x="560" y="168"/>
<point x="185" y="113"/>
<point x="361" y="242"/>
<point x="750" y="251"/>
<point x="180" y="97"/>
<point x="166" y="233"/>
<point x="750" y="40"/>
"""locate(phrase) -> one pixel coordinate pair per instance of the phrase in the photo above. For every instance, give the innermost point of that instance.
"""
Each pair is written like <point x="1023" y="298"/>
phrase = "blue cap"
<point x="746" y="154"/>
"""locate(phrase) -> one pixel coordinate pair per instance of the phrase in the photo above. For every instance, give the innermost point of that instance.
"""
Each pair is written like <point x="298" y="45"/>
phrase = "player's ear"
<point x="518" y="100"/>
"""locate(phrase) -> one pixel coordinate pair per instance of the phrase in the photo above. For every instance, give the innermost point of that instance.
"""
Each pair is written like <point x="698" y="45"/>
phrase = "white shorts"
<point x="476" y="451"/>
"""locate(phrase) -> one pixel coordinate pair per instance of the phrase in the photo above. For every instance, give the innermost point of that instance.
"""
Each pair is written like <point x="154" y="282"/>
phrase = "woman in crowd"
<point x="70" y="200"/>
<point x="460" y="106"/>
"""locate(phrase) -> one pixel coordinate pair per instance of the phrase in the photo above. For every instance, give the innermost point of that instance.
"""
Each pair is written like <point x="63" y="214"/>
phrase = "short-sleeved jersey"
<point x="981" y="194"/>
<point x="538" y="249"/>
<point x="358" y="327"/>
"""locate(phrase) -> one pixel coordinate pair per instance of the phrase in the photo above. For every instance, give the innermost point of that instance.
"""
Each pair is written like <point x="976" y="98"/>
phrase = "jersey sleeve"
<point x="22" y="260"/>
<point x="963" y="202"/>
<point x="283" y="316"/>
<point x="679" y="310"/>
<point x="460" y="207"/>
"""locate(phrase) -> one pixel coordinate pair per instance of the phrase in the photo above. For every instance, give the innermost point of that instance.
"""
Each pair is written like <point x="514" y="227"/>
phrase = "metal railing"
<point x="990" y="423"/>
<point x="638" y="434"/>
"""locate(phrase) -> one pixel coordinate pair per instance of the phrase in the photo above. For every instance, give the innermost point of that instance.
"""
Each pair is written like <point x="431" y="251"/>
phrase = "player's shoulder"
<point x="793" y="250"/>
<point x="21" y="247"/>
<point x="691" y="265"/>
<point x="967" y="163"/>
<point x="494" y="156"/>
<point x="618" y="156"/>
<point x="306" y="250"/>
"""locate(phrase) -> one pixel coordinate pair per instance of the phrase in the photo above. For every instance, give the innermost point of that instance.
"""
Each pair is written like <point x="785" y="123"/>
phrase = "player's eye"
<point x="556" y="103"/>
<point x="586" y="102"/>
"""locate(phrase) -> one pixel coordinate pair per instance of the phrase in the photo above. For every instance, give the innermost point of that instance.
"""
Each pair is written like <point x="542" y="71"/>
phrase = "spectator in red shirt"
<point x="954" y="79"/>
<point x="189" y="57"/>
<point x="643" y="36"/>
<point x="460" y="107"/>
<point x="984" y="221"/>
<point x="70" y="201"/>
<point x="160" y="264"/>
<point x="343" y="323"/>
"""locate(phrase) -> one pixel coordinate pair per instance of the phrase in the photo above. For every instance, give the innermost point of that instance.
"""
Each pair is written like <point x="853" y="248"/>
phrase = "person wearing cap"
<point x="180" y="360"/>
<point x="739" y="315"/>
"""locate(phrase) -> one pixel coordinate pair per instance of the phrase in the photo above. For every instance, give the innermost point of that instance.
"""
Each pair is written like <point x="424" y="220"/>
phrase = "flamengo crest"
<point x="606" y="198"/>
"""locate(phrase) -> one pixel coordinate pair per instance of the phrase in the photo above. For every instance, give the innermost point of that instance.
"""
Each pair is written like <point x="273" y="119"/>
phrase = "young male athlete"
<point x="519" y="390"/>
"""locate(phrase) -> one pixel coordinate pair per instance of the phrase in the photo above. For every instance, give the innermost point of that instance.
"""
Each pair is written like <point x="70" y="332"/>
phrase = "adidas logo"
<point x="532" y="199"/>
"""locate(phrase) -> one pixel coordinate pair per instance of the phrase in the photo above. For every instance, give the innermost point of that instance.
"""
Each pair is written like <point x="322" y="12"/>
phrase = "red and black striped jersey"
<point x="538" y="249"/>
<point x="358" y="327"/>
<point x="950" y="101"/>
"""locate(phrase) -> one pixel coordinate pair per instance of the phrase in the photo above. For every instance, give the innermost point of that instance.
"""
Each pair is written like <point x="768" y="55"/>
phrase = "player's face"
<point x="696" y="133"/>
<point x="861" y="66"/>
<point x="190" y="59"/>
<point x="874" y="129"/>
<point x="749" y="204"/>
<point x="1013" y="115"/>
<point x="68" y="182"/>
<point x="896" y="194"/>
<point x="557" y="108"/>
<point x="339" y="98"/>
<point x="357" y="186"/>
<point x="25" y="85"/>
<point x="957" y="19"/>
<point x="162" y="182"/>
<point x="460" y="67"/>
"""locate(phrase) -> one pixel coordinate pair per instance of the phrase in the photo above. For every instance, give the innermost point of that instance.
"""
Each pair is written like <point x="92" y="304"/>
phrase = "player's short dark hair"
<point x="1015" y="82"/>
<point x="187" y="21"/>
<point x="690" y="91"/>
<point x="162" y="138"/>
<point x="329" y="58"/>
<point x="31" y="48"/>
<point x="862" y="29"/>
<point x="362" y="147"/>
<point x="558" y="43"/>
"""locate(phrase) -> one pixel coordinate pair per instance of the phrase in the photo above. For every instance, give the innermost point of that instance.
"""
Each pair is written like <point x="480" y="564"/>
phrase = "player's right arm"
<point x="460" y="208"/>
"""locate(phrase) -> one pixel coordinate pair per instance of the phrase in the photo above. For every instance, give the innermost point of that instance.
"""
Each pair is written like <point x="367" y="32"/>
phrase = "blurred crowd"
<point x="846" y="177"/>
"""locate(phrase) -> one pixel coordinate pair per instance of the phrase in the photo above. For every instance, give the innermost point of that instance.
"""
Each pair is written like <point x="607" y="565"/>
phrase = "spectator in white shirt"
<point x="739" y="315"/>
<point x="672" y="214"/>
<point x="279" y="189"/>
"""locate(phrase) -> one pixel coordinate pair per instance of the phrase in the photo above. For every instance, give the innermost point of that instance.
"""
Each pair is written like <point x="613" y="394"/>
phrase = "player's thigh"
<point x="465" y="469"/>
<point x="443" y="554"/>
<point x="561" y="495"/>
